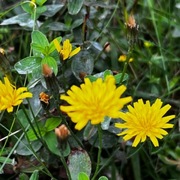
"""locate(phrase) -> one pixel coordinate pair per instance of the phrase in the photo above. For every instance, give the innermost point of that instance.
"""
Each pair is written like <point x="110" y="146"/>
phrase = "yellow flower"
<point x="92" y="101"/>
<point x="10" y="96"/>
<point x="148" y="44"/>
<point x="66" y="50"/>
<point x="144" y="120"/>
<point x="122" y="58"/>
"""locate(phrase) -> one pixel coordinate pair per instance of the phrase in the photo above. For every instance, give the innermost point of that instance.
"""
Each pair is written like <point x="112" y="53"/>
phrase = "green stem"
<point x="99" y="152"/>
<point x="126" y="64"/>
<point x="150" y="3"/>
<point x="65" y="166"/>
<point x="38" y="135"/>
<point x="47" y="172"/>
<point x="71" y="132"/>
<point x="12" y="125"/>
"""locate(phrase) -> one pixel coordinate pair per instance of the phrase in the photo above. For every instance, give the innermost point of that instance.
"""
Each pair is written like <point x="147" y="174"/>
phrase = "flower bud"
<point x="47" y="71"/>
<point x="62" y="132"/>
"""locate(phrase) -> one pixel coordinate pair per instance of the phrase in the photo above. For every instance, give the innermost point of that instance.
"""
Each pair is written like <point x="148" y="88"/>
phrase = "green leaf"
<point x="8" y="161"/>
<point x="23" y="176"/>
<point x="91" y="78"/>
<point x="57" y="26"/>
<point x="89" y="131"/>
<point x="107" y="73"/>
<point x="51" y="62"/>
<point x="23" y="20"/>
<point x="108" y="140"/>
<point x="103" y="74"/>
<point x="52" y="143"/>
<point x="105" y="124"/>
<point x="39" y="48"/>
<point x="103" y="178"/>
<point x="52" y="123"/>
<point x="52" y="9"/>
<point x="41" y="131"/>
<point x="28" y="7"/>
<point x="82" y="62"/>
<point x="79" y="161"/>
<point x="40" y="2"/>
<point x="77" y="23"/>
<point x="22" y="117"/>
<point x="83" y="176"/>
<point x="24" y="148"/>
<point x="27" y="65"/>
<point x="74" y="6"/>
<point x="118" y="77"/>
<point x="35" y="175"/>
<point x="39" y="11"/>
<point x="40" y="39"/>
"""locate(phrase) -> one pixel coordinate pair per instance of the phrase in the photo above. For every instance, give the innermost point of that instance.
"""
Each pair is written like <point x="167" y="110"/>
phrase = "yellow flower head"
<point x="92" y="101"/>
<point x="148" y="44"/>
<point x="66" y="50"/>
<point x="10" y="96"/>
<point x="122" y="58"/>
<point x="144" y="120"/>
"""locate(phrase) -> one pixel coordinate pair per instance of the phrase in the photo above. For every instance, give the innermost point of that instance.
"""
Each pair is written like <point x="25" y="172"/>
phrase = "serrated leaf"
<point x="79" y="161"/>
<point x="74" y="6"/>
<point x="51" y="62"/>
<point x="27" y="65"/>
<point x="52" y="123"/>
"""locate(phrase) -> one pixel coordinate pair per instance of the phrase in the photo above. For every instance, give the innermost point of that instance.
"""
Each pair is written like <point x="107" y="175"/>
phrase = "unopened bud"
<point x="62" y="132"/>
<point x="46" y="70"/>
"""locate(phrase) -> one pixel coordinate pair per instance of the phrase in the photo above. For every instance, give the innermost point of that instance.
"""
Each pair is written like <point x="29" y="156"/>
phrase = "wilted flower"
<point x="10" y="96"/>
<point x="92" y="101"/>
<point x="144" y="120"/>
<point x="66" y="50"/>
<point x="122" y="58"/>
<point x="132" y="30"/>
<point x="44" y="97"/>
